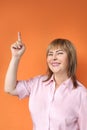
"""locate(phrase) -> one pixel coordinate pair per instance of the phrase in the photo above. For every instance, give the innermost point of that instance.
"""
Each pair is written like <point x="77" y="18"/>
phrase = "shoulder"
<point x="79" y="94"/>
<point x="81" y="87"/>
<point x="82" y="90"/>
<point x="83" y="97"/>
<point x="39" y="78"/>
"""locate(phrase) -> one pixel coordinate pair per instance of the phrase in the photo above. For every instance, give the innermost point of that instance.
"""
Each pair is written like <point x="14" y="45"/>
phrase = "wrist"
<point x="16" y="58"/>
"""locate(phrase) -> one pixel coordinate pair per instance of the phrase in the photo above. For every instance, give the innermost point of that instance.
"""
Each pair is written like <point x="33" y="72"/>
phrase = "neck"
<point x="60" y="78"/>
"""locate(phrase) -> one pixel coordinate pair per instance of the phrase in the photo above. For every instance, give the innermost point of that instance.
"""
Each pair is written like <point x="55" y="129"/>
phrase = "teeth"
<point x="55" y="64"/>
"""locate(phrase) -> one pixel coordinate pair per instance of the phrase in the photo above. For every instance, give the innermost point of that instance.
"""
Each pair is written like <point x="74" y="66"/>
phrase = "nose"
<point x="54" y="56"/>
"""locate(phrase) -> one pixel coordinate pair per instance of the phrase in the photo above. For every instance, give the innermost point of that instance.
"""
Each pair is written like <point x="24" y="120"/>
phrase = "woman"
<point x="57" y="101"/>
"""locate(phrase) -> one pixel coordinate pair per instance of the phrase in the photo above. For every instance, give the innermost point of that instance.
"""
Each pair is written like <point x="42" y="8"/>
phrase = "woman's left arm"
<point x="83" y="112"/>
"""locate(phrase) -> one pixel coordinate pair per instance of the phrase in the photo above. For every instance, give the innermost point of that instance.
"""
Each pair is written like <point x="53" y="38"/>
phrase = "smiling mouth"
<point x="55" y="64"/>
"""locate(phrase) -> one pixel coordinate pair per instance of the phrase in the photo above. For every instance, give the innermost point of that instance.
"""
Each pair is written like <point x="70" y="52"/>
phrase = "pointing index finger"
<point x="19" y="37"/>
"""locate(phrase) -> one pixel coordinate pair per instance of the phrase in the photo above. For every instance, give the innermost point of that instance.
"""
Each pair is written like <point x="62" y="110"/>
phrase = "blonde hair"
<point x="72" y="57"/>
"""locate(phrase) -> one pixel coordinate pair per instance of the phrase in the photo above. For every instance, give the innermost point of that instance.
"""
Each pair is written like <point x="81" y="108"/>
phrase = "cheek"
<point x="48" y="59"/>
<point x="66" y="62"/>
<point x="48" y="62"/>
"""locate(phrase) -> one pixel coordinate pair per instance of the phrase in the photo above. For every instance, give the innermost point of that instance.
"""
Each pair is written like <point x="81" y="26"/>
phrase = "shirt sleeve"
<point x="23" y="88"/>
<point x="83" y="112"/>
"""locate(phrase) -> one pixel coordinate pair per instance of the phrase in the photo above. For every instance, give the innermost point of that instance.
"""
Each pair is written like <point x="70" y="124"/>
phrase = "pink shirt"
<point x="63" y="109"/>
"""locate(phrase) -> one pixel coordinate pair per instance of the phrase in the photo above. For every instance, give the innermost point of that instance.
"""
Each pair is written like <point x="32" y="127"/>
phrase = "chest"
<point x="48" y="101"/>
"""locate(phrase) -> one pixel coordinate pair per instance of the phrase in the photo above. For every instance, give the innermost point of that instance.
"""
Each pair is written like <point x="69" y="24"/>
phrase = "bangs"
<point x="56" y="45"/>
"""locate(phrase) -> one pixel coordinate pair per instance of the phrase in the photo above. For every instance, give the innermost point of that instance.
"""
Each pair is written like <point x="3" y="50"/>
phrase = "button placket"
<point x="52" y="92"/>
<point x="51" y="98"/>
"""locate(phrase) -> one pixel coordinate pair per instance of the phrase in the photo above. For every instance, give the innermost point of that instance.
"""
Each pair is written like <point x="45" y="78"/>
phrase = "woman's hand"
<point x="18" y="47"/>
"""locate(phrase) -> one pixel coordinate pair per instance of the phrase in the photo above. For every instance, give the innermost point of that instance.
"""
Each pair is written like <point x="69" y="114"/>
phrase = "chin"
<point x="55" y="72"/>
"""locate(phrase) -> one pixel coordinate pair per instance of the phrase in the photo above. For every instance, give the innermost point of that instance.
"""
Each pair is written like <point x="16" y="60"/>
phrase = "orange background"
<point x="39" y="21"/>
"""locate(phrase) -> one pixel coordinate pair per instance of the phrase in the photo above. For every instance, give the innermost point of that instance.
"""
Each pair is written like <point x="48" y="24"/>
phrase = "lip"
<point x="54" y="64"/>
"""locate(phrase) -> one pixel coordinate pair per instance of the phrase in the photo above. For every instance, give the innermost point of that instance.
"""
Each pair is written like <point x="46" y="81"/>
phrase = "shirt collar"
<point x="67" y="83"/>
<point x="50" y="80"/>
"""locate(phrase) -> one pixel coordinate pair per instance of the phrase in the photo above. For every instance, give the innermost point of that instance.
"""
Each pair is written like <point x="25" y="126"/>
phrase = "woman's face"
<point x="57" y="60"/>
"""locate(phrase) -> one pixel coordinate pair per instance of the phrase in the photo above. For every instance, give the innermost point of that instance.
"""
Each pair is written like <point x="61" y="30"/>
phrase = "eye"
<point x="50" y="54"/>
<point x="59" y="53"/>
